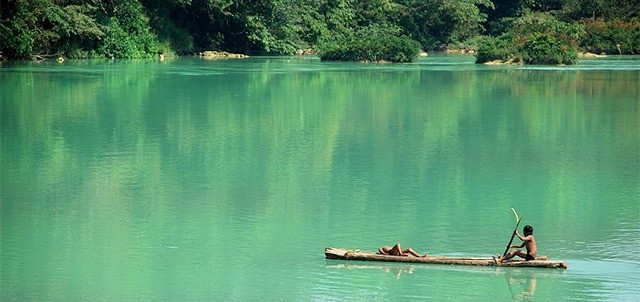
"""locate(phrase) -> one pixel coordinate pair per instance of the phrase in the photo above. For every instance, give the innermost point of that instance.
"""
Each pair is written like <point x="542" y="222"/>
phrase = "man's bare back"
<point x="529" y="243"/>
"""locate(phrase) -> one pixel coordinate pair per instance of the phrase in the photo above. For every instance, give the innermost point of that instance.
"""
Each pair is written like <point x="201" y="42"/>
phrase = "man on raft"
<point x="396" y="250"/>
<point x="528" y="242"/>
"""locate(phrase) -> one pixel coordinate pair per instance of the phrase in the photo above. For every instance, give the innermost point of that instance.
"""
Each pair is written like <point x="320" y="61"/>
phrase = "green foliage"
<point x="535" y="38"/>
<point x="128" y="34"/>
<point x="543" y="39"/>
<point x="619" y="9"/>
<point x="265" y="39"/>
<point x="370" y="44"/>
<point x="172" y="36"/>
<point x="466" y="16"/>
<point x="527" y="25"/>
<point x="140" y="28"/>
<point x="17" y="33"/>
<point x="612" y="36"/>
<point x="80" y="33"/>
<point x="288" y="25"/>
<point x="546" y="49"/>
<point x="494" y="48"/>
<point x="438" y="23"/>
<point x="377" y="12"/>
<point x="46" y="28"/>
<point x="339" y="15"/>
<point x="40" y="27"/>
<point x="117" y="43"/>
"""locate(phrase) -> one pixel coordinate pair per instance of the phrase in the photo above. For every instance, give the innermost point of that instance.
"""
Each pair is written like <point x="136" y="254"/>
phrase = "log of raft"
<point x="344" y="254"/>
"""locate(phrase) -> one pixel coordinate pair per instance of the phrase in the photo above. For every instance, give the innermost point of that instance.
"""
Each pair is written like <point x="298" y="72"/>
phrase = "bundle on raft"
<point x="344" y="254"/>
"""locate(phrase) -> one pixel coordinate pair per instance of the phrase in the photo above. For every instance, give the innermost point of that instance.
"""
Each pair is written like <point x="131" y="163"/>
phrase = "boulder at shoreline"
<point x="590" y="55"/>
<point x="212" y="54"/>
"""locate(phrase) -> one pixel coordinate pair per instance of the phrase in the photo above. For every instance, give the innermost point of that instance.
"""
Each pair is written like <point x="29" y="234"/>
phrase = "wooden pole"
<point x="514" y="232"/>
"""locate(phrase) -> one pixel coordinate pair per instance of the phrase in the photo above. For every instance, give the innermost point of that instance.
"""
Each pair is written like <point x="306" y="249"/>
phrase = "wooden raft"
<point x="344" y="254"/>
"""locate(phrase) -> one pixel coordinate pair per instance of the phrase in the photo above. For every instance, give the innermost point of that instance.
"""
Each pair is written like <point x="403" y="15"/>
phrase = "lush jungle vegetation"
<point x="530" y="31"/>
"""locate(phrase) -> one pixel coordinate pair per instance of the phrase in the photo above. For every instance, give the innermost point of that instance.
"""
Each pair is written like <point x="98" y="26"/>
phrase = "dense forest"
<point x="533" y="31"/>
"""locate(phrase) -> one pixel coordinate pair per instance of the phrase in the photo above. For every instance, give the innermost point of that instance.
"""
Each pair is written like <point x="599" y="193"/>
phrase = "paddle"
<point x="514" y="232"/>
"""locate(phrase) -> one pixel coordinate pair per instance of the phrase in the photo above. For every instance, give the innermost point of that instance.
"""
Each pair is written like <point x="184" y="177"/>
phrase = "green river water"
<point x="193" y="180"/>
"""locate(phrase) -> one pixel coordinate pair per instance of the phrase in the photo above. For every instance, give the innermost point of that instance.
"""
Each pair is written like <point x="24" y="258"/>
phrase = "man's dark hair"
<point x="528" y="230"/>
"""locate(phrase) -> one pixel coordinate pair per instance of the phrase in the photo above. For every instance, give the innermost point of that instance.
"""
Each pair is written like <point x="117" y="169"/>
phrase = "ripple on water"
<point x="610" y="279"/>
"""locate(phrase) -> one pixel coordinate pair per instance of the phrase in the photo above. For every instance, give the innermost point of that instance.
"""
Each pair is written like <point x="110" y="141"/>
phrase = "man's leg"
<point x="521" y="254"/>
<point x="508" y="256"/>
<point x="396" y="250"/>
<point x="412" y="252"/>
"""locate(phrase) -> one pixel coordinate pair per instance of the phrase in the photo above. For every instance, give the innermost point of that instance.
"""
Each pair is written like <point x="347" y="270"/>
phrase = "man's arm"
<point x="525" y="239"/>
<point x="517" y="246"/>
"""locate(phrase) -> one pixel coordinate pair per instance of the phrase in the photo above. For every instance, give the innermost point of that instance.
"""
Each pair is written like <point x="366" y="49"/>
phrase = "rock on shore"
<point x="500" y="62"/>
<point x="590" y="55"/>
<point x="211" y="55"/>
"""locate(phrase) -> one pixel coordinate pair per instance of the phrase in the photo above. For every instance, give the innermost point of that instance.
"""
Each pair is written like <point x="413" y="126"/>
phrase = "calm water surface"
<point x="225" y="180"/>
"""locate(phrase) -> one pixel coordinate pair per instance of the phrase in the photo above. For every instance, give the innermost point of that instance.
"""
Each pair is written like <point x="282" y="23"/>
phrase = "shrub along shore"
<point x="524" y="32"/>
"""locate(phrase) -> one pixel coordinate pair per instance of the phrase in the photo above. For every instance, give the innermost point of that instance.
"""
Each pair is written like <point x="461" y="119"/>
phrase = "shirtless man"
<point x="527" y="241"/>
<point x="396" y="250"/>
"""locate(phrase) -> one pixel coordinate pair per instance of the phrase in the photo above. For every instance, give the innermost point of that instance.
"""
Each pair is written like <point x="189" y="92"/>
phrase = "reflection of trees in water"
<point x="268" y="134"/>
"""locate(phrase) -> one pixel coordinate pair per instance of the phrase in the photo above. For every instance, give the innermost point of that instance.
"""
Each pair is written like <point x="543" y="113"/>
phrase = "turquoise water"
<point x="225" y="180"/>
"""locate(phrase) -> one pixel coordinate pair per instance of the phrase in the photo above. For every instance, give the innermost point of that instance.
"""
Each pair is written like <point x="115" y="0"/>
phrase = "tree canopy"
<point x="142" y="28"/>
